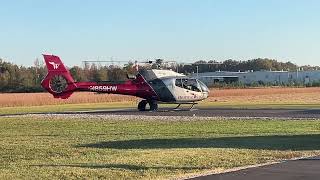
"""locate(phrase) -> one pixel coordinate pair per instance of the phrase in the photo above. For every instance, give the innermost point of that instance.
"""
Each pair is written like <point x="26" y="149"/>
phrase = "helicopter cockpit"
<point x="174" y="87"/>
<point x="191" y="84"/>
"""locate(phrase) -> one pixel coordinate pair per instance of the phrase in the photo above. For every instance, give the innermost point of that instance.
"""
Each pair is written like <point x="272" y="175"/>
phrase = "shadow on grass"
<point x="294" y="142"/>
<point x="121" y="166"/>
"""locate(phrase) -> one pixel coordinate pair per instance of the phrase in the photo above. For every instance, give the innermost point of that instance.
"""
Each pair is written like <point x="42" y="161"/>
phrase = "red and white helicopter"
<point x="153" y="86"/>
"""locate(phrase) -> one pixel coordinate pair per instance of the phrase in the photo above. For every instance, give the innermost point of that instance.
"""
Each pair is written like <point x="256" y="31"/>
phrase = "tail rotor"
<point x="58" y="81"/>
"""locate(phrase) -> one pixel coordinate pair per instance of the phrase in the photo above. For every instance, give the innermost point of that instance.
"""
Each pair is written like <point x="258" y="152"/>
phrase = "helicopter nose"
<point x="205" y="94"/>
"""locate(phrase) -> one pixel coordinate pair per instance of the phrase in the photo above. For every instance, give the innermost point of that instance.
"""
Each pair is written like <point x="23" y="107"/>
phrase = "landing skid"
<point x="177" y="107"/>
<point x="154" y="106"/>
<point x="192" y="106"/>
<point x="190" y="109"/>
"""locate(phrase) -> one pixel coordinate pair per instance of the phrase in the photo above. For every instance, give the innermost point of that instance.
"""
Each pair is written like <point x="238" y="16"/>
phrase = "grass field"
<point x="42" y="99"/>
<point x="43" y="147"/>
<point x="235" y="98"/>
<point x="267" y="97"/>
<point x="66" y="107"/>
<point x="46" y="148"/>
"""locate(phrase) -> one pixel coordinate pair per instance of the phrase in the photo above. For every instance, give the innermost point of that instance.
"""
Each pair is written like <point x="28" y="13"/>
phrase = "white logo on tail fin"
<point x="55" y="66"/>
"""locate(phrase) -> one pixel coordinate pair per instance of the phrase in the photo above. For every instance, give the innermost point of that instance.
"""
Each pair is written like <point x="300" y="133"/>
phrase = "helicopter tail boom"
<point x="60" y="83"/>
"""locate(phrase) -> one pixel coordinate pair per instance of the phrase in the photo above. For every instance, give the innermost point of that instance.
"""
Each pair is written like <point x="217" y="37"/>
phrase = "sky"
<point x="181" y="30"/>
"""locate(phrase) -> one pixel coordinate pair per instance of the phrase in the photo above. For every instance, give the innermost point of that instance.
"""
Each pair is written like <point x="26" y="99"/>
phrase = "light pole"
<point x="197" y="71"/>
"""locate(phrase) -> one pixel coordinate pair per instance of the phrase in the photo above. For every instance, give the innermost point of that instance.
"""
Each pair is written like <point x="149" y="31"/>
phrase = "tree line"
<point x="260" y="64"/>
<point x="14" y="78"/>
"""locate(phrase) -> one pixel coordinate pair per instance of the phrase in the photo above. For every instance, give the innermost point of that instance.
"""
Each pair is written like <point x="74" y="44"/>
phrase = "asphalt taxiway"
<point x="306" y="169"/>
<point x="203" y="112"/>
<point x="215" y="112"/>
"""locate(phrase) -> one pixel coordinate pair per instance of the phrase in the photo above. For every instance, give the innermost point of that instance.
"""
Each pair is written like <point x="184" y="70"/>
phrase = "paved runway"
<point x="205" y="112"/>
<point x="306" y="169"/>
<point x="216" y="112"/>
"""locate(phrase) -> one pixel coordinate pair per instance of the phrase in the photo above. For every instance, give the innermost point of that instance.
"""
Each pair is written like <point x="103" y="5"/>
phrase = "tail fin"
<point x="54" y="63"/>
<point x="58" y="81"/>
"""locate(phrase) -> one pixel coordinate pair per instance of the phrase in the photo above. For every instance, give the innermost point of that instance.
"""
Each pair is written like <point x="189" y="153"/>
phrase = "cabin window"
<point x="179" y="83"/>
<point x="189" y="84"/>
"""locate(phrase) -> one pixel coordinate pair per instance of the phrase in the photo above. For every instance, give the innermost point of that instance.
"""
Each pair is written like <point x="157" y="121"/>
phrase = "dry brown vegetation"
<point x="266" y="96"/>
<point x="261" y="91"/>
<point x="38" y="99"/>
<point x="263" y="95"/>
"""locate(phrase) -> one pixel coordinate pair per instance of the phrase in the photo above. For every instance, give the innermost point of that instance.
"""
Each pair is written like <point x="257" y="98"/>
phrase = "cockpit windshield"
<point x="203" y="86"/>
<point x="190" y="84"/>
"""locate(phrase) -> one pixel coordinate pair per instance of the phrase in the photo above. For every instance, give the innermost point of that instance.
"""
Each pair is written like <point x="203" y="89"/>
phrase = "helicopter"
<point x="153" y="86"/>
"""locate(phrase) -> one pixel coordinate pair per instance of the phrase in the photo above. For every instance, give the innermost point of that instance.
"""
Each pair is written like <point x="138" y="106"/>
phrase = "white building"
<point x="274" y="77"/>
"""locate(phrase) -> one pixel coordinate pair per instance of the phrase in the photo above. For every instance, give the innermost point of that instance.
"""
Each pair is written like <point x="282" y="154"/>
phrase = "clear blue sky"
<point x="76" y="30"/>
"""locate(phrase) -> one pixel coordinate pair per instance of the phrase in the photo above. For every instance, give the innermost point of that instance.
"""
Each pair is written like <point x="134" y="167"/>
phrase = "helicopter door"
<point x="162" y="90"/>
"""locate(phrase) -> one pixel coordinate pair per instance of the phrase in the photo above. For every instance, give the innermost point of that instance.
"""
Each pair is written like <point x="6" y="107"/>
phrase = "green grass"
<point x="53" y="148"/>
<point x="66" y="107"/>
